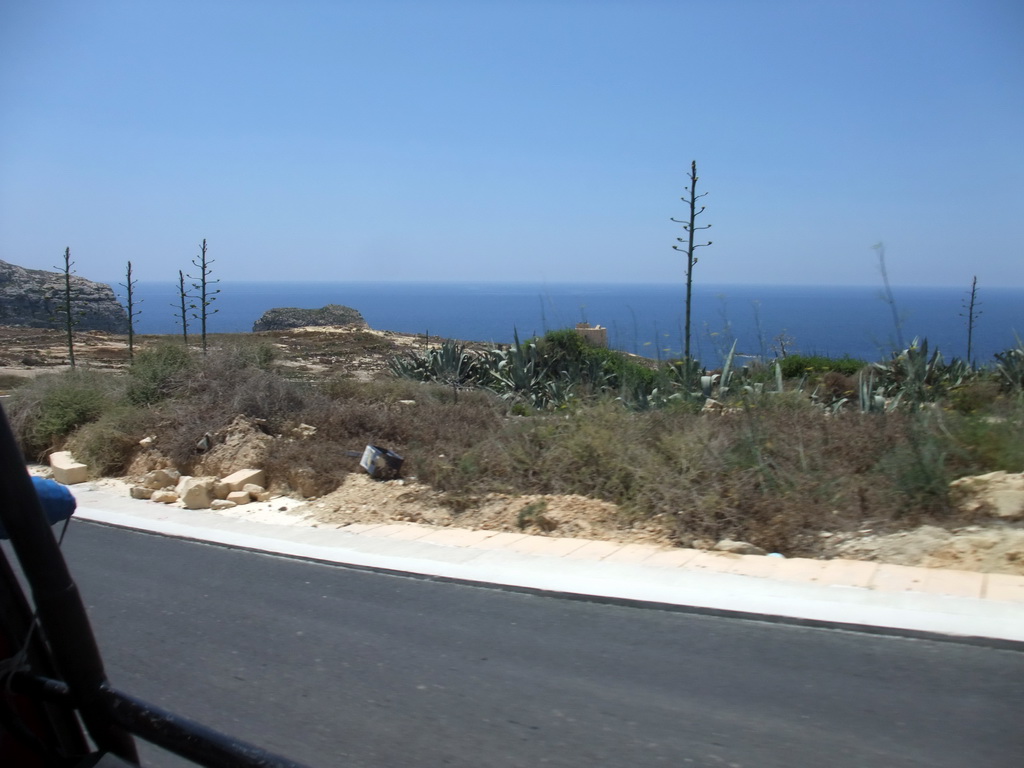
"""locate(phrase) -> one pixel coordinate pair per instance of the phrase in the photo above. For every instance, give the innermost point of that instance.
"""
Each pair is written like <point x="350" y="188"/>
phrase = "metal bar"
<point x="58" y="604"/>
<point x="57" y="725"/>
<point x="180" y="735"/>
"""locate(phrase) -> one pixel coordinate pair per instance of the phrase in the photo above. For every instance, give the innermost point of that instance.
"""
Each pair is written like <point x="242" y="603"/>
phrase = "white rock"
<point x="738" y="547"/>
<point x="161" y="478"/>
<point x="1007" y="503"/>
<point x="217" y="504"/>
<point x="196" y="492"/>
<point x="237" y="480"/>
<point x="66" y="470"/>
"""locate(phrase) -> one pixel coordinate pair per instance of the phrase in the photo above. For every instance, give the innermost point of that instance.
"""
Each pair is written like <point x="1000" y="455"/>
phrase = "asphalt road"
<point x="336" y="667"/>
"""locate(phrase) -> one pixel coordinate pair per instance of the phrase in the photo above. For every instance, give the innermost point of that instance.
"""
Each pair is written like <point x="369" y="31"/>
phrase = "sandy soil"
<point x="364" y="500"/>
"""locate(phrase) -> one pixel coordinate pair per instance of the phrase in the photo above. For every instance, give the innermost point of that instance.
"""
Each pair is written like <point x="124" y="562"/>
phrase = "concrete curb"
<point x="689" y="581"/>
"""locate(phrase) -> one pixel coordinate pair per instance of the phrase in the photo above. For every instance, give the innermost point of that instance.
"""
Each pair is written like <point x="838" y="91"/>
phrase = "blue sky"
<point x="520" y="140"/>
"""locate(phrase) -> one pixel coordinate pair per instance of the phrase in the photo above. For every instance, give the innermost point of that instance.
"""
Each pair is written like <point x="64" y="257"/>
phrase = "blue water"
<point x="645" y="319"/>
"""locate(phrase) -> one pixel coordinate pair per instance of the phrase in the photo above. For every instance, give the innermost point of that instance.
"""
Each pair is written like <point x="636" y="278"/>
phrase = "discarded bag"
<point x="380" y="462"/>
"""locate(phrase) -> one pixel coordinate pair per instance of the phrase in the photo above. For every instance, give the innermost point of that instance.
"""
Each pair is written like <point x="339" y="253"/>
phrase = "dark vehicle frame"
<point x="57" y="708"/>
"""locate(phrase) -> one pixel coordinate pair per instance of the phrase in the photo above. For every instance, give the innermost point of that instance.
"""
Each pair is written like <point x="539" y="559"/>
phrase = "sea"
<point x="643" y="319"/>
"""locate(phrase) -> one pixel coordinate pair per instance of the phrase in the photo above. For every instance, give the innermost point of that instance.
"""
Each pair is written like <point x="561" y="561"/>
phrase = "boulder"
<point x="161" y="478"/>
<point x="1000" y="494"/>
<point x="141" y="492"/>
<point x="66" y="470"/>
<point x="164" y="497"/>
<point x="239" y="497"/>
<point x="196" y="492"/>
<point x="218" y="504"/>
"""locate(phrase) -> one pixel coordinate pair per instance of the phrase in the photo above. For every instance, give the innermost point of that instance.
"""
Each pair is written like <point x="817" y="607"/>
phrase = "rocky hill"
<point x="285" y="318"/>
<point x="32" y="298"/>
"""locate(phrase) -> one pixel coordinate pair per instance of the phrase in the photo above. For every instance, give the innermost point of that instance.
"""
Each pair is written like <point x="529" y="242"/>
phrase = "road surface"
<point x="336" y="667"/>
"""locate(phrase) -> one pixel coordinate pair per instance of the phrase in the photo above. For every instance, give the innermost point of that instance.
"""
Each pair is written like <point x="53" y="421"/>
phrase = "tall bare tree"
<point x="205" y="295"/>
<point x="66" y="305"/>
<point x="129" y="287"/>
<point x="971" y="304"/>
<point x="182" y="307"/>
<point x="688" y="247"/>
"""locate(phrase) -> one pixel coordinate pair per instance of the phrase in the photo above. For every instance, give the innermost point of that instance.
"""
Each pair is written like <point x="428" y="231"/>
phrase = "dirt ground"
<point x="996" y="546"/>
<point x="361" y="352"/>
<point x="362" y="499"/>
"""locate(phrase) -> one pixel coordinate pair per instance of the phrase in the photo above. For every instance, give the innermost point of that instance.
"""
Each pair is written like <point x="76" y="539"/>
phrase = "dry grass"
<point x="775" y="469"/>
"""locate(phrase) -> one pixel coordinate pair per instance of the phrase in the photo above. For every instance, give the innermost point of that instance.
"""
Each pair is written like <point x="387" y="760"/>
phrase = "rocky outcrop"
<point x="33" y="297"/>
<point x="285" y="318"/>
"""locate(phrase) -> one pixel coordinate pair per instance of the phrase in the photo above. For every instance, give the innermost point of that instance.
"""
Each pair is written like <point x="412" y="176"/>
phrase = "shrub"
<point x="918" y="469"/>
<point x="989" y="442"/>
<point x="606" y="368"/>
<point x="218" y="393"/>
<point x="108" y="444"/>
<point x="246" y="352"/>
<point x="974" y="397"/>
<point x="795" y="366"/>
<point x="9" y="381"/>
<point x="48" y="409"/>
<point x="387" y="391"/>
<point x="157" y="373"/>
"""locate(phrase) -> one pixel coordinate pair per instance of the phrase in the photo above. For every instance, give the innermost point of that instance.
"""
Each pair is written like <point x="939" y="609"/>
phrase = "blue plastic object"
<point x="57" y="502"/>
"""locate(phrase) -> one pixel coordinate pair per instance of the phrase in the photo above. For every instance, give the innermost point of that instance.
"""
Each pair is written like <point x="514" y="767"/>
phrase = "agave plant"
<point x="450" y="364"/>
<point x="722" y="380"/>
<point x="915" y="377"/>
<point x="871" y="398"/>
<point x="519" y="373"/>
<point x="683" y="374"/>
<point x="909" y="374"/>
<point x="1010" y="368"/>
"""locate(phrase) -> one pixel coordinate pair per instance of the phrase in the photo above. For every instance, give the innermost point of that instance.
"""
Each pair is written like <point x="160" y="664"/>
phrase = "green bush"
<point x="919" y="470"/>
<point x="974" y="397"/>
<point x="795" y="366"/>
<point x="48" y="409"/>
<point x="990" y="442"/>
<point x="245" y="352"/>
<point x="586" y="371"/>
<point x="157" y="373"/>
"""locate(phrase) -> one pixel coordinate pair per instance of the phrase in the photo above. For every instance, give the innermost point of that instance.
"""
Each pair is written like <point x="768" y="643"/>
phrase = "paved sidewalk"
<point x="833" y="592"/>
